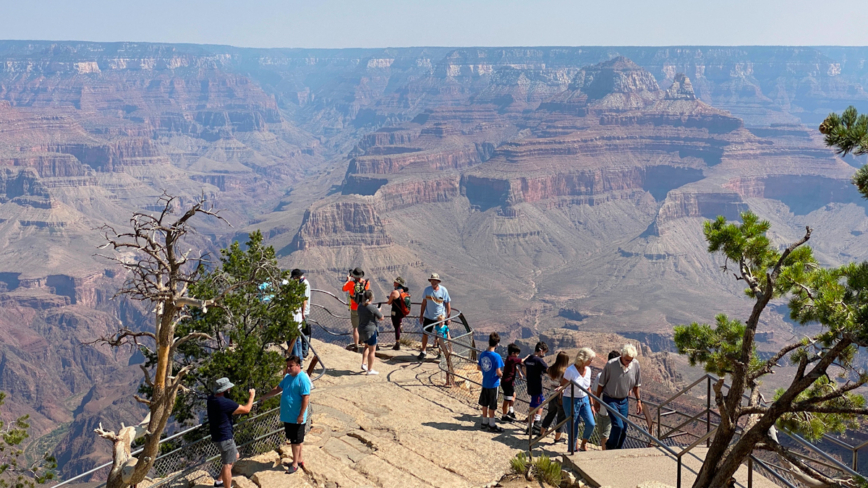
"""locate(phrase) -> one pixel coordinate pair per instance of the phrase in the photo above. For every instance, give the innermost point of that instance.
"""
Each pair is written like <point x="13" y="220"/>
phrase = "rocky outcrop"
<point x="681" y="204"/>
<point x="341" y="223"/>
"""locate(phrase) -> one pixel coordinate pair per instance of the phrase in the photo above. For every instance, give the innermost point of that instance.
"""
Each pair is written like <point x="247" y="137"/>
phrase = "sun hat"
<point x="400" y="281"/>
<point x="222" y="385"/>
<point x="296" y="273"/>
<point x="434" y="276"/>
<point x="358" y="273"/>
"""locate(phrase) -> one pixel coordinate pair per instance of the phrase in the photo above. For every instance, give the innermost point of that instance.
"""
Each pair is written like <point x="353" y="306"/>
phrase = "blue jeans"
<point x="579" y="408"/>
<point x="619" y="427"/>
<point x="300" y="347"/>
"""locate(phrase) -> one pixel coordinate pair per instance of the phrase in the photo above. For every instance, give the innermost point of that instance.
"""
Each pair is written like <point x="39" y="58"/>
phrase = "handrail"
<point x="825" y="456"/>
<point x="167" y="439"/>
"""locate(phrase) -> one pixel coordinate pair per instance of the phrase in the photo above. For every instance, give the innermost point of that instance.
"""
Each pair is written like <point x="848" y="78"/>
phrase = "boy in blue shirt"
<point x="294" y="400"/>
<point x="491" y="365"/>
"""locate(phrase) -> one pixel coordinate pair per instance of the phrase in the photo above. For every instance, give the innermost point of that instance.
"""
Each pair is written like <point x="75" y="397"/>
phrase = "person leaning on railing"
<point x="576" y="401"/>
<point x="620" y="376"/>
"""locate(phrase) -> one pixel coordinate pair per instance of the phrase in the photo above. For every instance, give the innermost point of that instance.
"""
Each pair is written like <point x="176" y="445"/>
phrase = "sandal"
<point x="291" y="469"/>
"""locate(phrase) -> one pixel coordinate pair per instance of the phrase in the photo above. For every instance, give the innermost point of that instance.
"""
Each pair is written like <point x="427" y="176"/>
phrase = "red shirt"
<point x="351" y="288"/>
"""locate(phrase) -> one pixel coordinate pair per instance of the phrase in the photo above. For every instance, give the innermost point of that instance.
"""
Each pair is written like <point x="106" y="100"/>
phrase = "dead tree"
<point x="159" y="271"/>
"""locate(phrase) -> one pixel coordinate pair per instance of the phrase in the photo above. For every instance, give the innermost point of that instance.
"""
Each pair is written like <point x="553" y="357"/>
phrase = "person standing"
<point x="491" y="365"/>
<point x="294" y="390"/>
<point x="399" y="300"/>
<point x="534" y="369"/>
<point x="369" y="315"/>
<point x="552" y="380"/>
<point x="576" y="401"/>
<point x="620" y="376"/>
<point x="435" y="303"/>
<point x="604" y="420"/>
<point x="355" y="287"/>
<point x="507" y="384"/>
<point x="220" y="411"/>
<point x="299" y="346"/>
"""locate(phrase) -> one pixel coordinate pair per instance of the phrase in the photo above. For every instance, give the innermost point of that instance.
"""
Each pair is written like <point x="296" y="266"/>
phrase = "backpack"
<point x="359" y="291"/>
<point x="404" y="303"/>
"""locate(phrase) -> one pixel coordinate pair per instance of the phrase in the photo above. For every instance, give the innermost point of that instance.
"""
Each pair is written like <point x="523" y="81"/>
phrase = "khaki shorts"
<point x="354" y="318"/>
<point x="604" y="425"/>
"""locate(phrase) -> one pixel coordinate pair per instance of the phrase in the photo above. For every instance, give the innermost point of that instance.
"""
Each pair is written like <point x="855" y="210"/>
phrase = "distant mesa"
<point x="618" y="75"/>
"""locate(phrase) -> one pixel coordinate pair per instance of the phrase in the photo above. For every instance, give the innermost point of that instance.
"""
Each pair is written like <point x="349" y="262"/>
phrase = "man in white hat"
<point x="435" y="304"/>
<point x="220" y="412"/>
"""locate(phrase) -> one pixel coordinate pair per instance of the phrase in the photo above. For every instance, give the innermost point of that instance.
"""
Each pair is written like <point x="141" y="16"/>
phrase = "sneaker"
<point x="396" y="347"/>
<point x="371" y="371"/>
<point x="483" y="426"/>
<point x="364" y="368"/>
<point x="506" y="418"/>
<point x="437" y="356"/>
<point x="291" y="469"/>
<point x="422" y="355"/>
<point x="512" y="415"/>
<point x="496" y="429"/>
<point x="218" y="483"/>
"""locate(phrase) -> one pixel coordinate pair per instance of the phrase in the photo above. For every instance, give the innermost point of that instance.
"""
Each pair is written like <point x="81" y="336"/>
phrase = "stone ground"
<point x="389" y="430"/>
<point x="402" y="428"/>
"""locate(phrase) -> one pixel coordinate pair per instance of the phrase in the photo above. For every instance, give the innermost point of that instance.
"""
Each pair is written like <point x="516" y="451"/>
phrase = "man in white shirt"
<point x="299" y="346"/>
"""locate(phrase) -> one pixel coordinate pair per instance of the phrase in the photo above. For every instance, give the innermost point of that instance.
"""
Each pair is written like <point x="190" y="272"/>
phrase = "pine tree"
<point x="820" y="397"/>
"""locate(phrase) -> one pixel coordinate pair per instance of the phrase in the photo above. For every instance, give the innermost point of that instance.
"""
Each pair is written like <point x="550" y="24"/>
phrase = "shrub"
<point x="548" y="471"/>
<point x="519" y="463"/>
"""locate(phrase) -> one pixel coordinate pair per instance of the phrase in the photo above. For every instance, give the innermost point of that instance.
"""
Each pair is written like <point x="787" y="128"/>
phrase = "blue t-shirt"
<point x="294" y="388"/>
<point x="220" y="410"/>
<point x="435" y="302"/>
<point x="490" y="362"/>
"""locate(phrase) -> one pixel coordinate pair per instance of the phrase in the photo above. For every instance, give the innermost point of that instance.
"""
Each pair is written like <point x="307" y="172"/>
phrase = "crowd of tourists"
<point x="295" y="387"/>
<point x="568" y="381"/>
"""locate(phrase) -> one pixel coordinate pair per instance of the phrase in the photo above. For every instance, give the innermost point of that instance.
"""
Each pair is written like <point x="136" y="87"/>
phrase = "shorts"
<point x="372" y="341"/>
<point x="536" y="400"/>
<point x="508" y="391"/>
<point x="488" y="398"/>
<point x="428" y="330"/>
<point x="354" y="318"/>
<point x="228" y="451"/>
<point x="604" y="425"/>
<point x="294" y="432"/>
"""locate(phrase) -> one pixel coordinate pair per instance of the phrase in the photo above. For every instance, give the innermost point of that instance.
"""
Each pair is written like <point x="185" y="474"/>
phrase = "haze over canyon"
<point x="549" y="187"/>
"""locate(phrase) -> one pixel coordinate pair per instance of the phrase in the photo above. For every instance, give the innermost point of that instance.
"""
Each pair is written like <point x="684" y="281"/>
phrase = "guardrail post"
<point x="678" y="485"/>
<point x="855" y="460"/>
<point x="750" y="471"/>
<point x="707" y="410"/>
<point x="572" y="418"/>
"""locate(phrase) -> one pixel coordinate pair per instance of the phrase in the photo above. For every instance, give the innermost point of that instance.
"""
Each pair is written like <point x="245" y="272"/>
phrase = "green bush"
<point x="548" y="471"/>
<point x="519" y="463"/>
<point x="545" y="469"/>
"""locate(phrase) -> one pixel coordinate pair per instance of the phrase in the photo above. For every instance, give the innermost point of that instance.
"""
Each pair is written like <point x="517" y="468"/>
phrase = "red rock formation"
<point x="342" y="223"/>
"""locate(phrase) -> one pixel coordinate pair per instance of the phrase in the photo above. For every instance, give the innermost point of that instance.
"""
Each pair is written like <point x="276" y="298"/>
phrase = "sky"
<point x="401" y="23"/>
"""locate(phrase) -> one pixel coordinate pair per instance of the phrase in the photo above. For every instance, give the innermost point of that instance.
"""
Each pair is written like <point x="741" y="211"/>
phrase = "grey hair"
<point x="584" y="355"/>
<point x="629" y="350"/>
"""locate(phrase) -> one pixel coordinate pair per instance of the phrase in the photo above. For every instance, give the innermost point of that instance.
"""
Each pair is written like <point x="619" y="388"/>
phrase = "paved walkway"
<point x="636" y="467"/>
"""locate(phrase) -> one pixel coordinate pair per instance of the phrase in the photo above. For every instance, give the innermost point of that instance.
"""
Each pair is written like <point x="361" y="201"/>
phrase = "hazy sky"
<point x="383" y="23"/>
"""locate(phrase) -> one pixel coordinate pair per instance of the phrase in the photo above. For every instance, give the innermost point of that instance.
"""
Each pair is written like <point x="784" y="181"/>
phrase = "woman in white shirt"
<point x="576" y="401"/>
